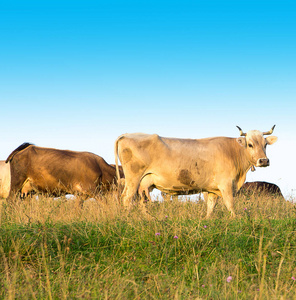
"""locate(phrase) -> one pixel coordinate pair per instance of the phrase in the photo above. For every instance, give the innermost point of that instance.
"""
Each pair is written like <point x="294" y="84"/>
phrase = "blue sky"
<point x="77" y="74"/>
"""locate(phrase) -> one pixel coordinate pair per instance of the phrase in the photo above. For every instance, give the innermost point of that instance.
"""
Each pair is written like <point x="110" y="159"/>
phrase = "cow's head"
<point x="255" y="144"/>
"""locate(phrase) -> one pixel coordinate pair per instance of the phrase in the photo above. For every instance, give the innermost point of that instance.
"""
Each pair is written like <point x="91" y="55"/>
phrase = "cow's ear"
<point x="242" y="141"/>
<point x="271" y="139"/>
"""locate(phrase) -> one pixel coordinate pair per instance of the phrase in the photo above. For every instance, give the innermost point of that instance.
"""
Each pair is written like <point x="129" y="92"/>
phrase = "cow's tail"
<point x="116" y="157"/>
<point x="18" y="149"/>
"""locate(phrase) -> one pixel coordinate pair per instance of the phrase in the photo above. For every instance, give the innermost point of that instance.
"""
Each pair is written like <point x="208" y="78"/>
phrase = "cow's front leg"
<point x="211" y="200"/>
<point x="227" y="194"/>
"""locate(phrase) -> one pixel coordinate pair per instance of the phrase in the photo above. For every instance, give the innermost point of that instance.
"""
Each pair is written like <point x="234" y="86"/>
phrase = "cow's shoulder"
<point x="20" y="149"/>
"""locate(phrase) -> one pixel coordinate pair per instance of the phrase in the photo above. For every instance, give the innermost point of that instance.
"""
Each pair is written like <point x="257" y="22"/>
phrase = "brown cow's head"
<point x="255" y="144"/>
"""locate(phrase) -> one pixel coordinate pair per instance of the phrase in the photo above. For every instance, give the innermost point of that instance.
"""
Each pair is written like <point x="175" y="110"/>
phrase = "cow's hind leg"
<point x="211" y="200"/>
<point x="129" y="192"/>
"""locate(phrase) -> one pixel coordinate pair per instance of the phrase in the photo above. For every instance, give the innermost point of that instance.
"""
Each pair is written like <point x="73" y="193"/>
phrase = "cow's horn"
<point x="241" y="132"/>
<point x="270" y="131"/>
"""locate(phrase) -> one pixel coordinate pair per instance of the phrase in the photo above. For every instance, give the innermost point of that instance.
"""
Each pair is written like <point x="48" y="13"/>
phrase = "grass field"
<point x="56" y="249"/>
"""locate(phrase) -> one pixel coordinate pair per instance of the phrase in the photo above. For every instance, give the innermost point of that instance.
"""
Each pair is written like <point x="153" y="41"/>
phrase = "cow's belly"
<point x="182" y="184"/>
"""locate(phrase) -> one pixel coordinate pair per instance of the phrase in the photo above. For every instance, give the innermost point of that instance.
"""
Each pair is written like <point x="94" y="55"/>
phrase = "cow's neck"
<point x="243" y="165"/>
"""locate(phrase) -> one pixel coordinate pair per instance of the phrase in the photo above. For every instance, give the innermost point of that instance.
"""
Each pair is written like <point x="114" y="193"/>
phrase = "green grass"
<point x="58" y="250"/>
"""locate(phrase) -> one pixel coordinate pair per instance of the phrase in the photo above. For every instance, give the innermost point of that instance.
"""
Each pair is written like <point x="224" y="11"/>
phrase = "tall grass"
<point x="58" y="249"/>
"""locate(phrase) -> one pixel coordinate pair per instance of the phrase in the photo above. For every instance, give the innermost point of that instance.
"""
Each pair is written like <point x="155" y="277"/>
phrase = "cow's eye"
<point x="250" y="145"/>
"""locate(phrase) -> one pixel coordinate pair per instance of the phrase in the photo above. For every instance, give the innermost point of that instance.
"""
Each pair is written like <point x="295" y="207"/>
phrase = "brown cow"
<point x="58" y="171"/>
<point x="260" y="187"/>
<point x="178" y="166"/>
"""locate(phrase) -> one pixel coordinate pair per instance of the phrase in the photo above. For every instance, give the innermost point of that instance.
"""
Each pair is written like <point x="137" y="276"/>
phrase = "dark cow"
<point x="58" y="171"/>
<point x="215" y="165"/>
<point x="260" y="188"/>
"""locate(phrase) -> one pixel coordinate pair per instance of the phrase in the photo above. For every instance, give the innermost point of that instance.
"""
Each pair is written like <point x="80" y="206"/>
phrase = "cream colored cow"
<point x="216" y="165"/>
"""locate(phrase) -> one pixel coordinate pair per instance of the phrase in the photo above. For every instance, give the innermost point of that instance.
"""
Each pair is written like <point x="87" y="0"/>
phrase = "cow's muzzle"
<point x="263" y="162"/>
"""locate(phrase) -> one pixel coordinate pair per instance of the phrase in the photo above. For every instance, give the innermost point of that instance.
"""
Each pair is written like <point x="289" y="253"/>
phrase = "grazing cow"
<point x="215" y="165"/>
<point x="58" y="171"/>
<point x="4" y="179"/>
<point x="260" y="187"/>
